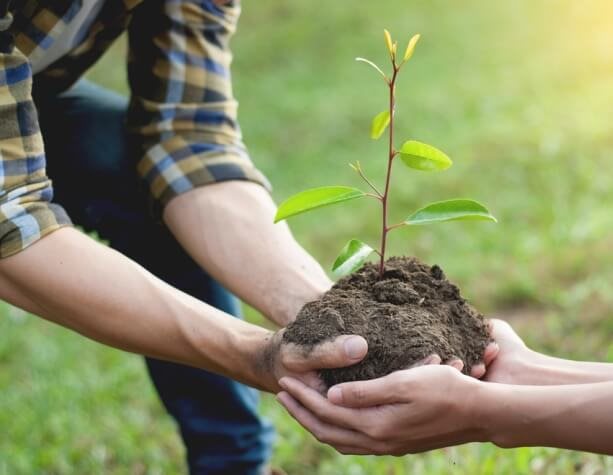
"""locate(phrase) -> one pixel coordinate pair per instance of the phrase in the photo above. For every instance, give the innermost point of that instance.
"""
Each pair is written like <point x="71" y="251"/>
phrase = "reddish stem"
<point x="390" y="160"/>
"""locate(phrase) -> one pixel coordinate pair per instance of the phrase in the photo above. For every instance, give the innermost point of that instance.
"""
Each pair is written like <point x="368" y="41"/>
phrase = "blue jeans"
<point x="95" y="180"/>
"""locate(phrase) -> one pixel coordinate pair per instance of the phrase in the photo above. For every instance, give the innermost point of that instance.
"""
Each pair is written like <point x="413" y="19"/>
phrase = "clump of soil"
<point x="413" y="312"/>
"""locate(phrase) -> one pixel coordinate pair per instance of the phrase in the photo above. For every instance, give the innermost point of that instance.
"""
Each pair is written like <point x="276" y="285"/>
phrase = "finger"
<point x="312" y="380"/>
<point x="477" y="371"/>
<point x="432" y="359"/>
<point x="455" y="363"/>
<point x="490" y="353"/>
<point x="320" y="406"/>
<point x="363" y="394"/>
<point x="344" y="351"/>
<point x="323" y="432"/>
<point x="343" y="450"/>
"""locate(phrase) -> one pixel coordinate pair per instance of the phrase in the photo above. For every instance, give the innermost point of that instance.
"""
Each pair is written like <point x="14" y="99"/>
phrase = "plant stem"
<point x="396" y="226"/>
<point x="369" y="183"/>
<point x="390" y="160"/>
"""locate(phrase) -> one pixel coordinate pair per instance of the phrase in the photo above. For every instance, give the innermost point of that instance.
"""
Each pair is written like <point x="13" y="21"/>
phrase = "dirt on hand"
<point x="408" y="315"/>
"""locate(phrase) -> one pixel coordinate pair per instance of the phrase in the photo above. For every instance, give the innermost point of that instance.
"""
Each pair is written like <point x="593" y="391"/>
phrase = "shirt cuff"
<point x="27" y="224"/>
<point x="172" y="169"/>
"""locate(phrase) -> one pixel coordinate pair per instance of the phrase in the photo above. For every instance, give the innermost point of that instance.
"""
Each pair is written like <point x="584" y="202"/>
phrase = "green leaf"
<point x="422" y="156"/>
<point x="316" y="198"/>
<point x="450" y="210"/>
<point x="379" y="124"/>
<point x="351" y="258"/>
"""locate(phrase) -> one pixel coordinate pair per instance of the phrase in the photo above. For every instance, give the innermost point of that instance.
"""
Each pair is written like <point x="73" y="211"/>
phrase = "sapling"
<point x="416" y="155"/>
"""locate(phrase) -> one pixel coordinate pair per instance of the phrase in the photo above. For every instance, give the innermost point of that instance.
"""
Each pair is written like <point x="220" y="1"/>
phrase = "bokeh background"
<point x="518" y="93"/>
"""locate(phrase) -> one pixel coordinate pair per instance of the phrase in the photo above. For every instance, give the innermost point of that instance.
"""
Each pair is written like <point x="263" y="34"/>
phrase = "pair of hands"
<point x="410" y="411"/>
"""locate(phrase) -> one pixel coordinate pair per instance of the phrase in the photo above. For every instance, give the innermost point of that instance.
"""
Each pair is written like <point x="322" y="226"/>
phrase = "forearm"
<point x="228" y="229"/>
<point x="539" y="369"/>
<point x="576" y="372"/>
<point x="576" y="417"/>
<point x="72" y="280"/>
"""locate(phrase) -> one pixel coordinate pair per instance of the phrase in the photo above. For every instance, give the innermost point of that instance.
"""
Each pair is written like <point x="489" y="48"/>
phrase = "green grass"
<point x="518" y="93"/>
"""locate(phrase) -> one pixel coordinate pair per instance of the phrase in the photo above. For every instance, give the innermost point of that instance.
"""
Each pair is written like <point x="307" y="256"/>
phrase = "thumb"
<point x="501" y="330"/>
<point x="362" y="394"/>
<point x="345" y="350"/>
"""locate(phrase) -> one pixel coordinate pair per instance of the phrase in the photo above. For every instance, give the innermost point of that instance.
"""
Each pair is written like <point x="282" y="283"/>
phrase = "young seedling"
<point x="413" y="154"/>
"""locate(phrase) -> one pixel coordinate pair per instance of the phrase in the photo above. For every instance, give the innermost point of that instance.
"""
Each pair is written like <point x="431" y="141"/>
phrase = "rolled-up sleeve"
<point x="183" y="115"/>
<point x="26" y="211"/>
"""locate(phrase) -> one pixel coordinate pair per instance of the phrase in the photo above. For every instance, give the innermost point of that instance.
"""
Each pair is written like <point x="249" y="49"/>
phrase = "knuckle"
<point x="400" y="391"/>
<point x="318" y="434"/>
<point x="358" y="393"/>
<point x="324" y="413"/>
<point x="325" y="360"/>
<point x="319" y="413"/>
<point x="291" y="358"/>
<point x="399" y="388"/>
<point x="376" y="432"/>
<point x="401" y="380"/>
<point x="322" y="355"/>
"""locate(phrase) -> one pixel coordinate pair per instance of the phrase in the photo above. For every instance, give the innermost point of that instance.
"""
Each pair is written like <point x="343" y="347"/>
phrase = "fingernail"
<point x="355" y="347"/>
<point x="335" y="395"/>
<point x="434" y="359"/>
<point x="283" y="383"/>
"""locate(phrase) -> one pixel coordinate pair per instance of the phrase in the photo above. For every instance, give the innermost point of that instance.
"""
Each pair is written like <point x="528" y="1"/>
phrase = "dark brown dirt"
<point x="413" y="312"/>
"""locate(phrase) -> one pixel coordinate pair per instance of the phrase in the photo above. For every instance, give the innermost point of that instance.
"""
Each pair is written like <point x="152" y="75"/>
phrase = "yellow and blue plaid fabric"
<point x="182" y="117"/>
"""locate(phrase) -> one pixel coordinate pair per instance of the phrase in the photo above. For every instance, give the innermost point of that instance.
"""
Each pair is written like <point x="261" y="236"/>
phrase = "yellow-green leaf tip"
<point x="411" y="47"/>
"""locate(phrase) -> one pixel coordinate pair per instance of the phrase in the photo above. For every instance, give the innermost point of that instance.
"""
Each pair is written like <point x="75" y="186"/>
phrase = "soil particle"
<point x="409" y="314"/>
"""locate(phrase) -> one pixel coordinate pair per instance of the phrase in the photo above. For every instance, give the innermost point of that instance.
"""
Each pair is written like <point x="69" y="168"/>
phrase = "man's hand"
<point x="408" y="411"/>
<point x="278" y="360"/>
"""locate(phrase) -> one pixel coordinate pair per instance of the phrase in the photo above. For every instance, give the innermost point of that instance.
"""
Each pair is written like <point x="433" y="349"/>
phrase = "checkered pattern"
<point x="26" y="212"/>
<point x="182" y="117"/>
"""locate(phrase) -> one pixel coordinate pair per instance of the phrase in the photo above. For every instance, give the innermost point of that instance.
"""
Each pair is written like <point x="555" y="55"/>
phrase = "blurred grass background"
<point x="518" y="93"/>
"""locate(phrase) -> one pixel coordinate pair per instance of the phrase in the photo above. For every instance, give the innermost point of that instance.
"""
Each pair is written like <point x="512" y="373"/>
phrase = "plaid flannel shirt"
<point x="182" y="116"/>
